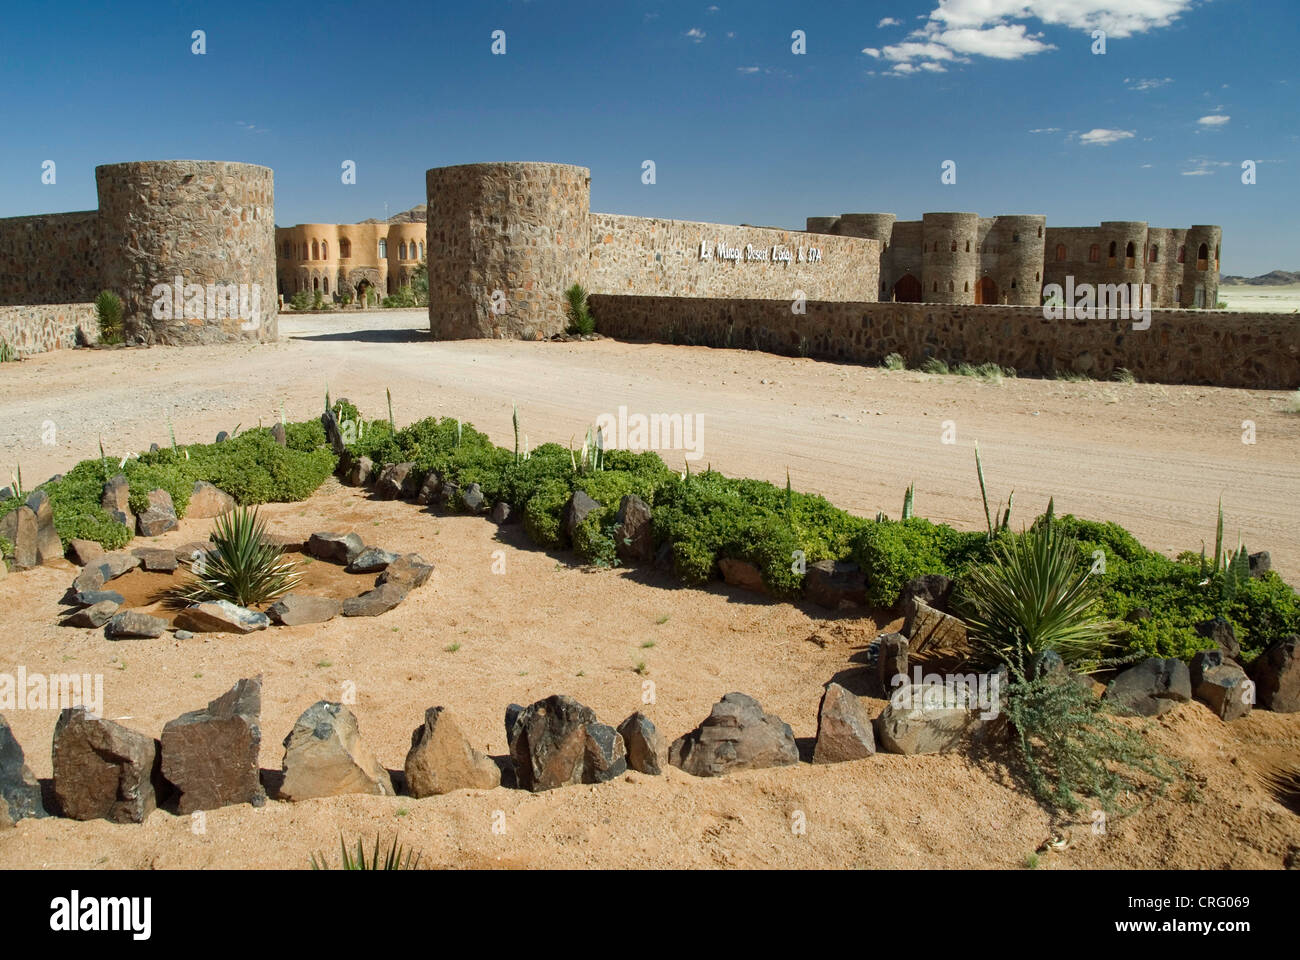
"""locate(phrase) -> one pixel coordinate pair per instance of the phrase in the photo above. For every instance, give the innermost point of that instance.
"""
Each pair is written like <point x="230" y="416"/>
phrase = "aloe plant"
<point x="392" y="424"/>
<point x="243" y="568"/>
<point x="16" y="482"/>
<point x="171" y="430"/>
<point x="1005" y="524"/>
<point x="515" y="419"/>
<point x="103" y="460"/>
<point x="397" y="858"/>
<point x="908" y="500"/>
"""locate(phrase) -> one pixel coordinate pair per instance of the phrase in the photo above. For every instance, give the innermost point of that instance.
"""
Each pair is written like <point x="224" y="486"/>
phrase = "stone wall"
<point x="206" y="222"/>
<point x="652" y="257"/>
<point x="36" y="328"/>
<point x="1182" y="346"/>
<point x="505" y="240"/>
<point x="52" y="258"/>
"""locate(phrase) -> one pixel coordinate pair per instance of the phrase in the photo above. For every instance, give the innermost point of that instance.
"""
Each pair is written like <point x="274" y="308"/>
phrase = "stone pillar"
<point x="504" y="241"/>
<point x="211" y="224"/>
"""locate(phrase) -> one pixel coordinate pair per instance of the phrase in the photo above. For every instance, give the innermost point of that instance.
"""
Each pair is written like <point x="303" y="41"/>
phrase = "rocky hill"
<point x="1274" y="278"/>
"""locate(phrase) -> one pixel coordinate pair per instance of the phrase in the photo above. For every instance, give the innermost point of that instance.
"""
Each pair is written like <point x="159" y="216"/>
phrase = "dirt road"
<point x="1153" y="458"/>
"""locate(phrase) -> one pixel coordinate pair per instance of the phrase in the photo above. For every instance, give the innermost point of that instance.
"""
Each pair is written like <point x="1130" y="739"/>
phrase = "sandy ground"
<point x="1280" y="299"/>
<point x="1154" y="458"/>
<point x="545" y="626"/>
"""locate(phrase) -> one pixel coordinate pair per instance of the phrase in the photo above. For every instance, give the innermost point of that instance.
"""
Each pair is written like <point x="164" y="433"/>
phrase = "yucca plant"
<point x="16" y="482"/>
<point x="397" y="858"/>
<point x="515" y="420"/>
<point x="1035" y="596"/>
<point x="392" y="424"/>
<point x="908" y="500"/>
<point x="1005" y="524"/>
<point x="243" y="568"/>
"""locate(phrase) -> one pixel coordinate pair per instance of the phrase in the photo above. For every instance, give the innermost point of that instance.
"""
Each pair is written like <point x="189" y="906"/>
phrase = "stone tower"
<point x="209" y="223"/>
<point x="505" y="240"/>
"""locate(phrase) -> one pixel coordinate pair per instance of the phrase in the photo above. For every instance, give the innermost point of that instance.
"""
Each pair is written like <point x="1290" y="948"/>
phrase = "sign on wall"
<point x="777" y="253"/>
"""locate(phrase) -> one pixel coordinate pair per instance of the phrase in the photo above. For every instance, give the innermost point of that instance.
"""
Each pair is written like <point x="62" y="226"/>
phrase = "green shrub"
<point x="301" y="300"/>
<point x="891" y="553"/>
<point x="894" y="361"/>
<point x="108" y="311"/>
<point x="404" y="297"/>
<point x="542" y="513"/>
<point x="244" y="568"/>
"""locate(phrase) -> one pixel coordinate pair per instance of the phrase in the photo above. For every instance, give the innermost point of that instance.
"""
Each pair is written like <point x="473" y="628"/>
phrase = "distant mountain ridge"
<point x="415" y="215"/>
<point x="1274" y="278"/>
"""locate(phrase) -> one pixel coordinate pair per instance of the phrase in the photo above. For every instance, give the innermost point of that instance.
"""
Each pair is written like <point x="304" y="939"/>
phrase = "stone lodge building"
<point x="344" y="261"/>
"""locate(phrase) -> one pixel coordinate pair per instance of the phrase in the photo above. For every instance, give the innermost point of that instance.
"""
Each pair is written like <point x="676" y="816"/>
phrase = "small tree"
<point x="580" y="319"/>
<point x="420" y="283"/>
<point x="108" y="310"/>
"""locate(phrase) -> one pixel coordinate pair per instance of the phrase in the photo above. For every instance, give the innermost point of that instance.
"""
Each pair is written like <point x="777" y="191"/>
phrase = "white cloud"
<point x="747" y="69"/>
<point x="1001" y="29"/>
<point x="1146" y="83"/>
<point x="712" y="9"/>
<point x="1046" y="130"/>
<point x="1214" y="120"/>
<point x="696" y="34"/>
<point x="889" y="22"/>
<point x="871" y="52"/>
<point x="1101" y="137"/>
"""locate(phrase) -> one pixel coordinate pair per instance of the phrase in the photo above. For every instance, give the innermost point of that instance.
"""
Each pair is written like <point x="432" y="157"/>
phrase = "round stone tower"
<point x="1201" y="272"/>
<point x="949" y="257"/>
<point x="505" y="240"/>
<point x="1019" y="240"/>
<point x="189" y="246"/>
<point x="1128" y="241"/>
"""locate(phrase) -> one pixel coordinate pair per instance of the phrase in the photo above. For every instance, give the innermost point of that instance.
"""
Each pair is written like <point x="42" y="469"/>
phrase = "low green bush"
<point x="891" y="553"/>
<point x="108" y="311"/>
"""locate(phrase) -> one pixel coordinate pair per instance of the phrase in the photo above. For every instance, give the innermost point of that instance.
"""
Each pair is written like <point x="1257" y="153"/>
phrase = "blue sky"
<point x="741" y="129"/>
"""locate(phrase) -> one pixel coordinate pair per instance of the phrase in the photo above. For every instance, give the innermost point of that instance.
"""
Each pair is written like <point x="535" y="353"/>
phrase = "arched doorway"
<point x="907" y="289"/>
<point x="363" y="289"/>
<point x="986" y="291"/>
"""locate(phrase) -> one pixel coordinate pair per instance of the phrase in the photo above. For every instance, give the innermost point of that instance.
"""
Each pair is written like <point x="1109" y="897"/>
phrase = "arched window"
<point x="1094" y="253"/>
<point x="401" y="250"/>
<point x="950" y="286"/>
<point x="383" y="250"/>
<point x="1110" y="253"/>
<point x="326" y="283"/>
<point x="965" y="287"/>
<point x="1036" y="276"/>
<point x="422" y="249"/>
<point x="345" y="248"/>
<point x="1015" y="238"/>
<point x="315" y="283"/>
<point x="954" y="246"/>
<point x="315" y="250"/>
<point x="325" y="249"/>
<point x="1216" y="253"/>
<point x="1182" y="254"/>
<point x="1060" y="251"/>
<point x="1130" y="254"/>
<point x="1040" y="229"/>
<point x="1178" y="295"/>
<point x="1013" y="284"/>
<point x="1202" y="254"/>
<point x="1155" y="253"/>
<point x="968" y="246"/>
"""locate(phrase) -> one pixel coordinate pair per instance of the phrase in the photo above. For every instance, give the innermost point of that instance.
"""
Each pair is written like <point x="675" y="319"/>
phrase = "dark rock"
<point x="88" y="598"/>
<point x="210" y="755"/>
<point x="371" y="560"/>
<point x="103" y="770"/>
<point x="932" y="589"/>
<point x="448" y="494"/>
<point x="473" y="500"/>
<point x="324" y="757"/>
<point x="1138" y="614"/>
<point x="158" y="517"/>
<point x="396" y="482"/>
<point x="48" y="545"/>
<point x="441" y="759"/>
<point x="575" y="511"/>
<point x="736" y="735"/>
<point x="1276" y="673"/>
<point x="20" y="791"/>
<point x="1046" y="663"/>
<point x="409" y="570"/>
<point x="500" y="512"/>
<point x="833" y="585"/>
<point x="156" y="560"/>
<point x="930" y="629"/>
<point x="335" y="547"/>
<point x="222" y="437"/>
<point x="374" y="602"/>
<point x="1151" y="687"/>
<point x="95" y="615"/>
<point x="183" y="635"/>
<point x="332" y="433"/>
<point x="116" y="499"/>
<point x="643" y="744"/>
<point x="558" y="741"/>
<point x="1222" y="633"/>
<point x="844" y="729"/>
<point x="1260" y="564"/>
<point x="429" y="489"/>
<point x="513" y="712"/>
<point x="279" y="434"/>
<point x="221" y="616"/>
<point x="1221" y="686"/>
<point x="743" y="574"/>
<point x="359" y="472"/>
<point x="207" y="500"/>
<point x="19" y="528"/>
<point x="891" y="663"/>
<point x="634" y="539"/>
<point x="82" y="552"/>
<point x="130" y="624"/>
<point x="295" y="609"/>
